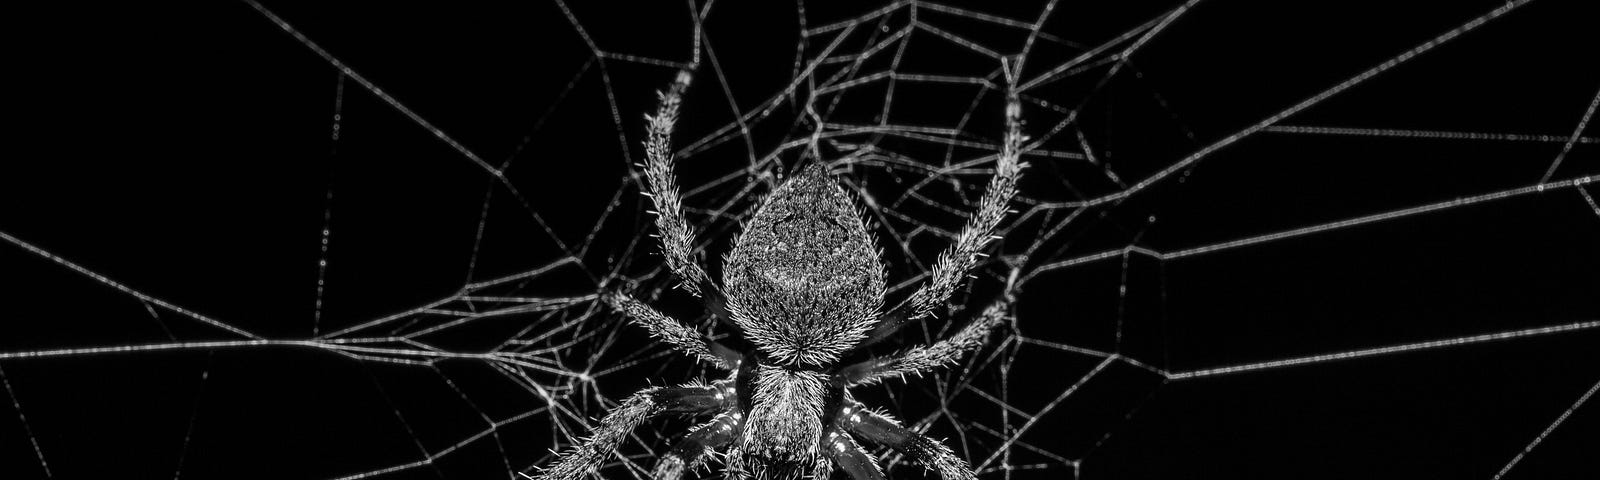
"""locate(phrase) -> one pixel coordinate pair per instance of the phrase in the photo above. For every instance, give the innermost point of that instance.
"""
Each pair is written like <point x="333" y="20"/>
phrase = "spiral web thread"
<point x="917" y="178"/>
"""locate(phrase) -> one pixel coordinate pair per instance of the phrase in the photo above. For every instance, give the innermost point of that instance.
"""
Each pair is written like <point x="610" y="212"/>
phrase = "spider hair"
<point x="804" y="287"/>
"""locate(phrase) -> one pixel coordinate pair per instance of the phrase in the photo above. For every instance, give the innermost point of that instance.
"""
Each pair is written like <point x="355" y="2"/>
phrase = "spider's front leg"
<point x="850" y="457"/>
<point x="885" y="431"/>
<point x="691" y="452"/>
<point x="961" y="257"/>
<point x="641" y="406"/>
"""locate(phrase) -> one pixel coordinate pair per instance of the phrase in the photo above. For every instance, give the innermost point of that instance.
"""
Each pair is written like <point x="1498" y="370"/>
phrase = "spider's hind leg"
<point x="962" y="256"/>
<point x="677" y="235"/>
<point x="680" y="336"/>
<point x="661" y="185"/>
<point x="928" y="357"/>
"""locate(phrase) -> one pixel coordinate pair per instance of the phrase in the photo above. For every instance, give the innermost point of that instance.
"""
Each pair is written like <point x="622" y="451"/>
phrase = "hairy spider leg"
<point x="882" y="430"/>
<point x="962" y="256"/>
<point x="692" y="451"/>
<point x="682" y="338"/>
<point x="843" y="451"/>
<point x="837" y="446"/>
<point x="920" y="359"/>
<point x="677" y="235"/>
<point x="639" y="407"/>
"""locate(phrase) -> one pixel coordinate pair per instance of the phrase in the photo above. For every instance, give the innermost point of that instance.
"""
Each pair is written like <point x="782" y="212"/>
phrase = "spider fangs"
<point x="804" y="286"/>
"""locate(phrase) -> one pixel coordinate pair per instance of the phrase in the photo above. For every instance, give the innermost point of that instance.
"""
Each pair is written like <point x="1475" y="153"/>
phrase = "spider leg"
<point x="692" y="450"/>
<point x="616" y="425"/>
<point x="677" y="236"/>
<point x="883" y="430"/>
<point x="669" y="330"/>
<point x="848" y="455"/>
<point x="924" y="358"/>
<point x="960" y="258"/>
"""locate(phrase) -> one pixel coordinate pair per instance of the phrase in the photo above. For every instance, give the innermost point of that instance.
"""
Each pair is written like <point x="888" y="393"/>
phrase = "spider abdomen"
<point x="803" y="285"/>
<point x="804" y="279"/>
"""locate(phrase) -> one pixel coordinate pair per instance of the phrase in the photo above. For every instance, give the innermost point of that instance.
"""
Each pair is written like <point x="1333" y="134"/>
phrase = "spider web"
<point x="355" y="241"/>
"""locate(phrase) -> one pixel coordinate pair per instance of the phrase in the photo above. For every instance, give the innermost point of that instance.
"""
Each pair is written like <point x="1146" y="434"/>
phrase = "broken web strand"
<point x="385" y="340"/>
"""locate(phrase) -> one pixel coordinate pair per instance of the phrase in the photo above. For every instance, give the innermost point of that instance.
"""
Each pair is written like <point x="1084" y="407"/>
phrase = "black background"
<point x="185" y="150"/>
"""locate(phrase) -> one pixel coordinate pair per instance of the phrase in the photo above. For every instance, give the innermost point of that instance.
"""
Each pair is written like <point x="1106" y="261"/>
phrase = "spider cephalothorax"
<point x="804" y="286"/>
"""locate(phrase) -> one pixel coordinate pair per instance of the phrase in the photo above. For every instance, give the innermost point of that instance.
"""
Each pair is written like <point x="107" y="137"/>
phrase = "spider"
<point x="804" y="286"/>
